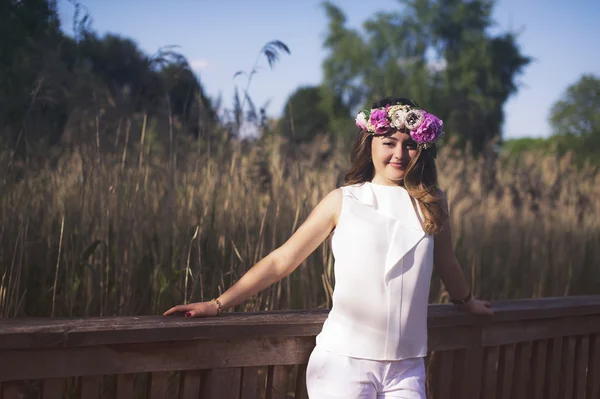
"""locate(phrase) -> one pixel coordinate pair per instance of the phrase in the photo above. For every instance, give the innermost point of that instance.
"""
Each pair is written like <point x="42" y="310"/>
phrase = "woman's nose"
<point x="400" y="152"/>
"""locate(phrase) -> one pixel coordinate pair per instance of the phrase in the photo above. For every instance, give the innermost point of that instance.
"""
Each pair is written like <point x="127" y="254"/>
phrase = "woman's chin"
<point x="396" y="176"/>
<point x="395" y="173"/>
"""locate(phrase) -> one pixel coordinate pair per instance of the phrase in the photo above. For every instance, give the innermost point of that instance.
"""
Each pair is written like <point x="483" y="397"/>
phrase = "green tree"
<point x="303" y="115"/>
<point x="575" y="123"/>
<point x="187" y="99"/>
<point x="51" y="83"/>
<point x="575" y="119"/>
<point x="578" y="112"/>
<point x="437" y="52"/>
<point x="29" y="49"/>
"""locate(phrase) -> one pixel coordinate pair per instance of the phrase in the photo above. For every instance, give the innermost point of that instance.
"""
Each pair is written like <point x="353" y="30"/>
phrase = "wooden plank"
<point x="582" y="348"/>
<point x="450" y="338"/>
<point x="191" y="381"/>
<point x="568" y="367"/>
<point x="506" y="370"/>
<point x="471" y="374"/>
<point x="138" y="358"/>
<point x="519" y="309"/>
<point x="53" y="388"/>
<point x="539" y="368"/>
<point x="12" y="390"/>
<point x="250" y="387"/>
<point x="442" y="373"/>
<point x="125" y="386"/>
<point x="554" y="368"/>
<point x="158" y="385"/>
<point x="225" y="383"/>
<point x="300" y="391"/>
<point x="458" y="373"/>
<point x="490" y="371"/>
<point x="262" y="381"/>
<point x="593" y="382"/>
<point x="277" y="382"/>
<point x="26" y="333"/>
<point x="523" y="380"/>
<point x="90" y="386"/>
<point x="530" y="330"/>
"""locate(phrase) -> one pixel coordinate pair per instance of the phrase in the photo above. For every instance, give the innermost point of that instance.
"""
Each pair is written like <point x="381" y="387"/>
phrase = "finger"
<point x="176" y="309"/>
<point x="194" y="313"/>
<point x="169" y="312"/>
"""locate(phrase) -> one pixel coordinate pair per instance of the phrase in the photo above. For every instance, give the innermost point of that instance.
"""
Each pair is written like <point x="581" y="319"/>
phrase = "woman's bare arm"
<point x="279" y="263"/>
<point x="446" y="264"/>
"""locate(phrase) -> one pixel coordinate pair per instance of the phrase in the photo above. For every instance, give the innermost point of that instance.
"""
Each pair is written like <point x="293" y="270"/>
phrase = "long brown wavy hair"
<point x="420" y="179"/>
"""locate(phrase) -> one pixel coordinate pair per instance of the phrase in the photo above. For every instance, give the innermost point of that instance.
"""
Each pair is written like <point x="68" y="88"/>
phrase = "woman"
<point x="390" y="226"/>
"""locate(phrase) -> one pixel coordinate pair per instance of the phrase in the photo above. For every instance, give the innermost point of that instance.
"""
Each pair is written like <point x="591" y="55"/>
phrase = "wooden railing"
<point x="538" y="348"/>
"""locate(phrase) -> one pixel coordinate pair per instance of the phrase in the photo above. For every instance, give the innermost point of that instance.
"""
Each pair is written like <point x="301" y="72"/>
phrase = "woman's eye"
<point x="388" y="144"/>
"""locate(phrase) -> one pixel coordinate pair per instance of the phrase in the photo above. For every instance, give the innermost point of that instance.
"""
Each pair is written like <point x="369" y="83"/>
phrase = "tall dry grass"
<point x="93" y="235"/>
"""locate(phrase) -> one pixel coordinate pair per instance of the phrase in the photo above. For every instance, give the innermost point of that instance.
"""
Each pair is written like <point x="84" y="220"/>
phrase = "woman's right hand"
<point x="197" y="309"/>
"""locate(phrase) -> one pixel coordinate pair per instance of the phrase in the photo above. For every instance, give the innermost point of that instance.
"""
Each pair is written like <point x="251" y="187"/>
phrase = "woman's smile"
<point x="397" y="165"/>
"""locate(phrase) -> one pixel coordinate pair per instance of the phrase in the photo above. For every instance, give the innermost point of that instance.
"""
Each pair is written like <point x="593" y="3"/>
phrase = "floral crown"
<point x="425" y="128"/>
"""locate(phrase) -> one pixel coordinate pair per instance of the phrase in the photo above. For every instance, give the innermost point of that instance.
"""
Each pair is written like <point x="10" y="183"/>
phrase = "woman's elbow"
<point x="282" y="265"/>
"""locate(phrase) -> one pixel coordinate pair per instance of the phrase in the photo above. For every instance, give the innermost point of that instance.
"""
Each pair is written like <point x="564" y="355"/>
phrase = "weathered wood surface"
<point x="535" y="348"/>
<point x="19" y="333"/>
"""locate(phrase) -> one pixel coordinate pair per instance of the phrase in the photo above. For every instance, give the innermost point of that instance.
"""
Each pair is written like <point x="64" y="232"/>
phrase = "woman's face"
<point x="391" y="155"/>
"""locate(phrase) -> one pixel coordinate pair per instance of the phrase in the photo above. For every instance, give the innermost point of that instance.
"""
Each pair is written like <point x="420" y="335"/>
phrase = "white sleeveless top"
<point x="383" y="265"/>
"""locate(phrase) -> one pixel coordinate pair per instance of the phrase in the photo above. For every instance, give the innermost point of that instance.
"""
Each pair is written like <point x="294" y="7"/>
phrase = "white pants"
<point x="331" y="376"/>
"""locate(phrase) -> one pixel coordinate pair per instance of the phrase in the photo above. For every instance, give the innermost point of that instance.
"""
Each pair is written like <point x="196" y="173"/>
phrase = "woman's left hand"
<point x="478" y="307"/>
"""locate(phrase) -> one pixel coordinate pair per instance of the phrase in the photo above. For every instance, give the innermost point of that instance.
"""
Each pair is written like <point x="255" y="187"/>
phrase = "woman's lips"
<point x="397" y="165"/>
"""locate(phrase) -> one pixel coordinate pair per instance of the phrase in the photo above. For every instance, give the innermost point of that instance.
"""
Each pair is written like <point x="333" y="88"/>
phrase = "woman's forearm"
<point x="454" y="280"/>
<point x="259" y="277"/>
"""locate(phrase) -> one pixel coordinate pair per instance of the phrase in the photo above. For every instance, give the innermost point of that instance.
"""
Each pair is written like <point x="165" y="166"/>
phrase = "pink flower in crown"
<point x="429" y="130"/>
<point x="380" y="121"/>
<point x="361" y="120"/>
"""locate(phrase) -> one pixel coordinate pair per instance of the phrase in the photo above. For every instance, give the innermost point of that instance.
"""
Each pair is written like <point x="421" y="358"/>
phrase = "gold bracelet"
<point x="463" y="301"/>
<point x="219" y="310"/>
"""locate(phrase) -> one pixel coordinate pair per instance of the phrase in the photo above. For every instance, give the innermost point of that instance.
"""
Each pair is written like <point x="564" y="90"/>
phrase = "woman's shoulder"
<point x="333" y="200"/>
<point x="353" y="188"/>
<point x="331" y="205"/>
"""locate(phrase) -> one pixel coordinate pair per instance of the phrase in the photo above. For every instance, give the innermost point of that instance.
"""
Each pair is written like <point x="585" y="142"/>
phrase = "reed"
<point x="96" y="235"/>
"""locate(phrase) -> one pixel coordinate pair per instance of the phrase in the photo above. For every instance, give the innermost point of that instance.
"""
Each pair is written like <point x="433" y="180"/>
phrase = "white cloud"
<point x="200" y="64"/>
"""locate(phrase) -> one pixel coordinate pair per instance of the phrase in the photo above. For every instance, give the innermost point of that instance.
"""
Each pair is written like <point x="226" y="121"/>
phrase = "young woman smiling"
<point x="389" y="227"/>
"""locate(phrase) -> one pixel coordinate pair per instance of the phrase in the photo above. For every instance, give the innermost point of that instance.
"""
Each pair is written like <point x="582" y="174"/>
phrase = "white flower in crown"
<point x="413" y="119"/>
<point x="361" y="120"/>
<point x="370" y="127"/>
<point x="397" y="114"/>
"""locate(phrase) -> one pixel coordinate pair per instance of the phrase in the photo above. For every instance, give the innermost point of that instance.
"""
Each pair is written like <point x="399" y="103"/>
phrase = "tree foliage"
<point x="575" y="123"/>
<point x="437" y="52"/>
<point x="29" y="29"/>
<point x="578" y="112"/>
<point x="575" y="119"/>
<point x="52" y="85"/>
<point x="303" y="115"/>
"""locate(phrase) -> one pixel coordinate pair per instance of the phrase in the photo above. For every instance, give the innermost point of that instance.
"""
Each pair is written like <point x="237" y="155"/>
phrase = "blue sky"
<point x="220" y="37"/>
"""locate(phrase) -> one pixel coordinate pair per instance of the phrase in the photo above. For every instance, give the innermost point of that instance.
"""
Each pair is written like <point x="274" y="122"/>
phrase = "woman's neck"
<point x="380" y="181"/>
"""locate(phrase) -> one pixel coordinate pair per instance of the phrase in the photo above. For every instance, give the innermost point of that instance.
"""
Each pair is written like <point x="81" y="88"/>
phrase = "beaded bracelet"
<point x="219" y="310"/>
<point x="462" y="301"/>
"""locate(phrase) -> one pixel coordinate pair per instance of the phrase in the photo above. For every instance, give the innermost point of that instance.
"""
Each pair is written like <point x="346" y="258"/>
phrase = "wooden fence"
<point x="537" y="348"/>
